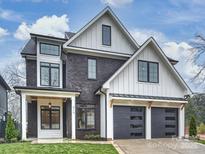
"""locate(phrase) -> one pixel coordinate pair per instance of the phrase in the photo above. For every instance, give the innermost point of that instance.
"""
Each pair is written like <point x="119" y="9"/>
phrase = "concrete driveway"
<point x="159" y="146"/>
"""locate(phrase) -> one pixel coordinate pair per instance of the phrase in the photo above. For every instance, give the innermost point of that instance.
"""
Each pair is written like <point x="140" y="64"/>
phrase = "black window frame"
<point x="148" y="74"/>
<point x="50" y="117"/>
<point x="95" y="68"/>
<point x="50" y="67"/>
<point x="103" y="43"/>
<point x="52" y="45"/>
<point x="80" y="106"/>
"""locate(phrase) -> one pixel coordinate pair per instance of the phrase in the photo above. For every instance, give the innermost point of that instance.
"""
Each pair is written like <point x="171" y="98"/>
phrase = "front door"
<point x="50" y="119"/>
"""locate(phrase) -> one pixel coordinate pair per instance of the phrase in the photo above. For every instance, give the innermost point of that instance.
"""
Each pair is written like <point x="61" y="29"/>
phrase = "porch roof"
<point x="46" y="91"/>
<point x="148" y="98"/>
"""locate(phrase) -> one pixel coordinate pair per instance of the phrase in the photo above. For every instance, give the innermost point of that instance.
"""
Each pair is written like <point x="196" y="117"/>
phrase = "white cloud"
<point x="141" y="35"/>
<point x="48" y="25"/>
<point x="10" y="15"/>
<point x="3" y="32"/>
<point x="117" y="3"/>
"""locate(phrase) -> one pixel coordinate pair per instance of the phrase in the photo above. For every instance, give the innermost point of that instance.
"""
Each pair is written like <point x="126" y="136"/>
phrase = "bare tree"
<point x="14" y="74"/>
<point x="198" y="58"/>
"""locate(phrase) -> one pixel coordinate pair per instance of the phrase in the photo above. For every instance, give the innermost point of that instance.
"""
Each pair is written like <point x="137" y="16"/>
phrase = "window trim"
<point x="148" y="75"/>
<point x="103" y="25"/>
<point x="88" y="68"/>
<point x="86" y="108"/>
<point x="49" y="67"/>
<point x="48" y="53"/>
<point x="50" y="120"/>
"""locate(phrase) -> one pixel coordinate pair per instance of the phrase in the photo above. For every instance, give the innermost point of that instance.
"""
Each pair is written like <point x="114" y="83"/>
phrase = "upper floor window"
<point x="49" y="49"/>
<point x="106" y="35"/>
<point x="49" y="74"/>
<point x="148" y="71"/>
<point x="91" y="68"/>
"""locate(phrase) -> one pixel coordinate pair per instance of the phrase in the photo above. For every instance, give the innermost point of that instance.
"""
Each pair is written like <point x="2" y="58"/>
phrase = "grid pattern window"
<point x="143" y="76"/>
<point x="86" y="117"/>
<point x="49" y="49"/>
<point x="148" y="71"/>
<point x="92" y="69"/>
<point x="49" y="74"/>
<point x="50" y="117"/>
<point x="106" y="35"/>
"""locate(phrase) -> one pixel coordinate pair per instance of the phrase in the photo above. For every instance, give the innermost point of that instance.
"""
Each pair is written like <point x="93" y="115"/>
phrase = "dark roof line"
<point x="48" y="36"/>
<point x="147" y="97"/>
<point x="4" y="84"/>
<point x="45" y="88"/>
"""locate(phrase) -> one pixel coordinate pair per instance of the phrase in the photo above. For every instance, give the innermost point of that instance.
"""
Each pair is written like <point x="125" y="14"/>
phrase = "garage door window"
<point x="86" y="117"/>
<point x="135" y="117"/>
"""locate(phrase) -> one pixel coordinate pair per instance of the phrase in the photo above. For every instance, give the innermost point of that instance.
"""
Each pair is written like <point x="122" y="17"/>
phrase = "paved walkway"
<point x="160" y="146"/>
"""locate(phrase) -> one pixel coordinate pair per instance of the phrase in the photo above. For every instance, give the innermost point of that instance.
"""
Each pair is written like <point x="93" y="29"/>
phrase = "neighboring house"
<point x="99" y="80"/>
<point x="4" y="88"/>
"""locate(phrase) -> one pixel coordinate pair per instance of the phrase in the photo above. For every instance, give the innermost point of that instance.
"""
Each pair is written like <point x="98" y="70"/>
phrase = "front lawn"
<point x="202" y="141"/>
<point x="28" y="148"/>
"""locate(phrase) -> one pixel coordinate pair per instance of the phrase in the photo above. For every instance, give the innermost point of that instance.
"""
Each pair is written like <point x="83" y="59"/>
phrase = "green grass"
<point x="28" y="148"/>
<point x="202" y="141"/>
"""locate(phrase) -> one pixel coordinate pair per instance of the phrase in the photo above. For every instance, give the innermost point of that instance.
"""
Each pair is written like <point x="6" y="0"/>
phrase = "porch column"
<point x="181" y="122"/>
<point x="148" y="122"/>
<point x="73" y="117"/>
<point x="23" y="117"/>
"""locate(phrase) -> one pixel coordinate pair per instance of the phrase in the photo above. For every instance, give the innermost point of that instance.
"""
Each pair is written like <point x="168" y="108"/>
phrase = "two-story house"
<point x="4" y="88"/>
<point x="99" y="80"/>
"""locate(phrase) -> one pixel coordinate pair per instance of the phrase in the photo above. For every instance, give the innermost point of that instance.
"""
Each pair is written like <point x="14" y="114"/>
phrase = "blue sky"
<point x="173" y="23"/>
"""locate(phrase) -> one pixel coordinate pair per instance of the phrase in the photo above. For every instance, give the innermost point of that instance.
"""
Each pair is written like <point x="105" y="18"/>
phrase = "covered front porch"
<point x="47" y="113"/>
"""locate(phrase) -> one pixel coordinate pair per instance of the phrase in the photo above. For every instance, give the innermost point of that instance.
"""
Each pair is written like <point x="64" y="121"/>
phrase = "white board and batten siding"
<point x="92" y="37"/>
<point x="127" y="81"/>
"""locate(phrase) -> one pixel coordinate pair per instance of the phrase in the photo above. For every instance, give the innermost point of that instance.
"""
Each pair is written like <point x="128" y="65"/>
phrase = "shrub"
<point x="92" y="136"/>
<point x="11" y="133"/>
<point x="192" y="127"/>
<point x="201" y="128"/>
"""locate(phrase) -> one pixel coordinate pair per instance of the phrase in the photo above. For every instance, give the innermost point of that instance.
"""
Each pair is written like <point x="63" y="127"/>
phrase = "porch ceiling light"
<point x="49" y="105"/>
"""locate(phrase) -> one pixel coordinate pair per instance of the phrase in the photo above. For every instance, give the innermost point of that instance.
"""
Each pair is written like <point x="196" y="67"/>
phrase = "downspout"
<point x="105" y="111"/>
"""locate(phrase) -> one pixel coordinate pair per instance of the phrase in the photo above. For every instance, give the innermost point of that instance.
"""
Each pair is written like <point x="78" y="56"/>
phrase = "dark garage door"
<point x="164" y="122"/>
<point x="129" y="122"/>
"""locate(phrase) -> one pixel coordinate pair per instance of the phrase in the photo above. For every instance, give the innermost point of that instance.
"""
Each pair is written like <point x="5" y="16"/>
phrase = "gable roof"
<point x="150" y="40"/>
<point x="104" y="11"/>
<point x="4" y="84"/>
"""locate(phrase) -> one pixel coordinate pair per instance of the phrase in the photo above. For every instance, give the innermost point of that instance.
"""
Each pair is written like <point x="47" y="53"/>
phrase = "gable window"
<point x="86" y="116"/>
<point x="49" y="74"/>
<point x="148" y="71"/>
<point x="91" y="68"/>
<point x="50" y="117"/>
<point x="106" y="35"/>
<point x="49" y="49"/>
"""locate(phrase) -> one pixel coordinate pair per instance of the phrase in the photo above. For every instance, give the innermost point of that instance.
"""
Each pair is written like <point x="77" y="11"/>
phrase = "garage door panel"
<point x="164" y="122"/>
<point x="129" y="122"/>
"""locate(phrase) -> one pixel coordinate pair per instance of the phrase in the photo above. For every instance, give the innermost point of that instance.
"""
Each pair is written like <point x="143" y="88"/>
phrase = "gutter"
<point x="105" y="111"/>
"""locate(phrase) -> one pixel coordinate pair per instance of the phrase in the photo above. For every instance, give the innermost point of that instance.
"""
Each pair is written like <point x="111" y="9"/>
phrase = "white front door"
<point x="50" y="118"/>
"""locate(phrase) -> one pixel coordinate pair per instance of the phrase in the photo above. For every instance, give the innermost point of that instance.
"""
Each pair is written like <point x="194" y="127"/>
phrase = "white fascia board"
<point x="148" y="100"/>
<point x="94" y="52"/>
<point x="107" y="9"/>
<point x="47" y="93"/>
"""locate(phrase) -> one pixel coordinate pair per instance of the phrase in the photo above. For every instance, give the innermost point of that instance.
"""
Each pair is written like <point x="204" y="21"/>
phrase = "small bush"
<point x="201" y="129"/>
<point x="11" y="133"/>
<point x="192" y="127"/>
<point x="92" y="136"/>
